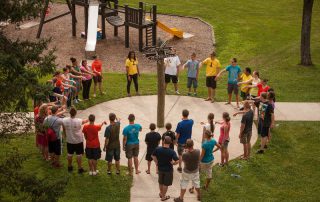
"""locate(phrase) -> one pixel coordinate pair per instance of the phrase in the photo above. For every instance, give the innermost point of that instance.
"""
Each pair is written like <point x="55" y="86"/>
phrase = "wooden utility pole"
<point x="158" y="54"/>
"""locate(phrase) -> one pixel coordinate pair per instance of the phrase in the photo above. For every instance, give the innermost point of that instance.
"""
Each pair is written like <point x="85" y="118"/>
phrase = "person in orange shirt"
<point x="97" y="78"/>
<point x="93" y="151"/>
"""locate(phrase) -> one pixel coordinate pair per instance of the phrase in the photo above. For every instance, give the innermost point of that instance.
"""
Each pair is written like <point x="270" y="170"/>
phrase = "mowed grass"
<point x="80" y="188"/>
<point x="264" y="35"/>
<point x="288" y="171"/>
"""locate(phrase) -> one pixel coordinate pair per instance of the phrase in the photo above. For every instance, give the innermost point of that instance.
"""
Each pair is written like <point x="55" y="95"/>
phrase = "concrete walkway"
<point x="145" y="187"/>
<point x="297" y="111"/>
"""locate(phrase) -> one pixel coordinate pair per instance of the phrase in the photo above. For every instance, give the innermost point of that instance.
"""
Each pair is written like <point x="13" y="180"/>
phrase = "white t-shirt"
<point x="73" y="130"/>
<point x="208" y="127"/>
<point x="172" y="64"/>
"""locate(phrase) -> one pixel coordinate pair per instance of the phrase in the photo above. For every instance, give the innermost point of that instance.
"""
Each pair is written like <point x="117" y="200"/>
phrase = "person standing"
<point x="54" y="122"/>
<point x="246" y="79"/>
<point x="267" y="118"/>
<point x="191" y="160"/>
<point x="207" y="157"/>
<point x="169" y="133"/>
<point x="208" y="126"/>
<point x="152" y="140"/>
<point x="42" y="138"/>
<point x="172" y="65"/>
<point x="183" y="132"/>
<point x="131" y="143"/>
<point x="224" y="138"/>
<point x="246" y="130"/>
<point x="87" y="80"/>
<point x="97" y="78"/>
<point x="112" y="143"/>
<point x="165" y="158"/>
<point x="212" y="69"/>
<point x="72" y="127"/>
<point x="233" y="77"/>
<point x="93" y="151"/>
<point x="193" y="74"/>
<point x="132" y="71"/>
<point x="75" y="69"/>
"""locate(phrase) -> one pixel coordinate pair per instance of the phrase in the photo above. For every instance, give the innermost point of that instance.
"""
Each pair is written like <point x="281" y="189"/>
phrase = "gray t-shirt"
<point x="191" y="161"/>
<point x="247" y="119"/>
<point x="55" y="123"/>
<point x="193" y="66"/>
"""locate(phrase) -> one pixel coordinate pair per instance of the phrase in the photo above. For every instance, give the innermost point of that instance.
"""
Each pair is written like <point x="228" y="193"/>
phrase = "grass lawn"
<point x="79" y="188"/>
<point x="288" y="171"/>
<point x="263" y="35"/>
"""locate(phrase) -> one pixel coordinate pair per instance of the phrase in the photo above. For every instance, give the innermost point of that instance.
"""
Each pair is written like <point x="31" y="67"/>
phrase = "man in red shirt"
<point x="97" y="78"/>
<point x="93" y="151"/>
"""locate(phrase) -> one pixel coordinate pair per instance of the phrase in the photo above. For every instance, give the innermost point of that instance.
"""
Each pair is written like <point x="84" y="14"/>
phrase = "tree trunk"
<point x="161" y="94"/>
<point x="306" y="32"/>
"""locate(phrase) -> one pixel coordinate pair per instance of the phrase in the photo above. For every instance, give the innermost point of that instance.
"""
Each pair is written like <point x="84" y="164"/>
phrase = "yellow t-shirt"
<point x="132" y="64"/>
<point x="212" y="66"/>
<point x="245" y="78"/>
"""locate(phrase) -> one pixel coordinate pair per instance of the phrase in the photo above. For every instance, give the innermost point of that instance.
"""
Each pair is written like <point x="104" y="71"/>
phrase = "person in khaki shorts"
<point x="131" y="143"/>
<point x="207" y="157"/>
<point x="191" y="159"/>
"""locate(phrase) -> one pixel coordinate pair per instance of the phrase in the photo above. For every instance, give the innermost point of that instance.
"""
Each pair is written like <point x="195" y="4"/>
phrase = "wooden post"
<point x="103" y="20"/>
<point x="43" y="16"/>
<point x="305" y="51"/>
<point x="126" y="27"/>
<point x="140" y="29"/>
<point x="154" y="27"/>
<point x="73" y="15"/>
<point x="115" y="29"/>
<point x="161" y="94"/>
<point x="86" y="17"/>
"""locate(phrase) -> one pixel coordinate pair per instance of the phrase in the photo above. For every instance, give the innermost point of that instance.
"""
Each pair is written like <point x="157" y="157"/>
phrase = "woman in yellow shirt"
<point x="132" y="72"/>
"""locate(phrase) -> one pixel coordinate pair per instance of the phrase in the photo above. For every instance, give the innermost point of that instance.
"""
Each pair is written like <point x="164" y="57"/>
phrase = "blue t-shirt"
<point x="132" y="132"/>
<point x="184" y="128"/>
<point x="234" y="71"/>
<point x="193" y="66"/>
<point x="165" y="156"/>
<point x="208" y="148"/>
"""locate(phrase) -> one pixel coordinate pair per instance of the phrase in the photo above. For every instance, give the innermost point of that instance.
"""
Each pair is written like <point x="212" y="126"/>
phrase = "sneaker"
<point x="260" y="152"/>
<point x="81" y="170"/>
<point x="221" y="165"/>
<point x="70" y="169"/>
<point x="189" y="94"/>
<point x="266" y="146"/>
<point x="109" y="172"/>
<point x="90" y="173"/>
<point x="75" y="101"/>
<point x="79" y="100"/>
<point x="94" y="95"/>
<point x="179" y="169"/>
<point x="177" y="92"/>
<point x="103" y="93"/>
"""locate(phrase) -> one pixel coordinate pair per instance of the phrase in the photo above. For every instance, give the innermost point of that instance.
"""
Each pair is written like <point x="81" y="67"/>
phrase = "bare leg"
<point x="79" y="161"/>
<point x="149" y="165"/>
<point x="249" y="149"/>
<point x="237" y="99"/>
<point x="175" y="86"/>
<point x="182" y="192"/>
<point x="130" y="166"/>
<point x="180" y="160"/>
<point x="94" y="164"/>
<point x="69" y="157"/>
<point x="207" y="183"/>
<point x="229" y="98"/>
<point x="94" y="88"/>
<point x="118" y="165"/>
<point x="164" y="191"/>
<point x="136" y="165"/>
<point x="109" y="166"/>
<point x="209" y="94"/>
<point x="226" y="160"/>
<point x="213" y="93"/>
<point x="100" y="87"/>
<point x="161" y="189"/>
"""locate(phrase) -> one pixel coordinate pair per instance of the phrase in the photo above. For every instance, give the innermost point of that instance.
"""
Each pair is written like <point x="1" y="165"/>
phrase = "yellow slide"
<point x="174" y="31"/>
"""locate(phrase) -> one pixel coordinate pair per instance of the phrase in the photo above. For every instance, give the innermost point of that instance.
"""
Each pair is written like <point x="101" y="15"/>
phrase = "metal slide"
<point x="92" y="27"/>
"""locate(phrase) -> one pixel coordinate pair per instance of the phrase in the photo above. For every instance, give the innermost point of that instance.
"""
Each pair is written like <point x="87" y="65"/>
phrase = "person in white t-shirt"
<point x="172" y="65"/>
<point x="72" y="128"/>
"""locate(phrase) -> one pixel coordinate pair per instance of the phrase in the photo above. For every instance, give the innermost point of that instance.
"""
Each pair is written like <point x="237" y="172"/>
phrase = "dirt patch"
<point x="112" y="50"/>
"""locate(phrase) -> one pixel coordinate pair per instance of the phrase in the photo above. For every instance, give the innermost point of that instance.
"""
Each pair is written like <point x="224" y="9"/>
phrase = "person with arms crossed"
<point x="172" y="65"/>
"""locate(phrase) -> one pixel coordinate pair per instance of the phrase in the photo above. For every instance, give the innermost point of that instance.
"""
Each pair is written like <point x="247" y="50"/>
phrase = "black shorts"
<point x="165" y="178"/>
<point x="97" y="79"/>
<point x="75" y="148"/>
<point x="55" y="147"/>
<point x="264" y="131"/>
<point x="93" y="153"/>
<point x="149" y="154"/>
<point x="211" y="82"/>
<point x="168" y="78"/>
<point x="243" y="95"/>
<point x="113" y="154"/>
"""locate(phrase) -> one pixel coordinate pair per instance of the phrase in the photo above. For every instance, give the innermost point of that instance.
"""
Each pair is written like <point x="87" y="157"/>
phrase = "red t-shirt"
<point x="97" y="66"/>
<point x="261" y="89"/>
<point x="36" y="111"/>
<point x="91" y="133"/>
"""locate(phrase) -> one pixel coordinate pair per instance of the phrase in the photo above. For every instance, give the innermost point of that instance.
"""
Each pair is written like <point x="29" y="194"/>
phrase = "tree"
<point x="306" y="32"/>
<point x="21" y="65"/>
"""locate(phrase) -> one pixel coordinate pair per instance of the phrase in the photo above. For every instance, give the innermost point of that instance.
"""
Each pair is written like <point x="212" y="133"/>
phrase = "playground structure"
<point x="142" y="18"/>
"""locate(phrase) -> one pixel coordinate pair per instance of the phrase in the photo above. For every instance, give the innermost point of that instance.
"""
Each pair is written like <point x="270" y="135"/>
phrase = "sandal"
<point x="148" y="172"/>
<point x="165" y="198"/>
<point x="207" y="99"/>
<point x="160" y="195"/>
<point x="191" y="190"/>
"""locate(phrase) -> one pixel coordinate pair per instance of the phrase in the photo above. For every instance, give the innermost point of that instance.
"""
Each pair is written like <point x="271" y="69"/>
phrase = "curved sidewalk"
<point x="145" y="187"/>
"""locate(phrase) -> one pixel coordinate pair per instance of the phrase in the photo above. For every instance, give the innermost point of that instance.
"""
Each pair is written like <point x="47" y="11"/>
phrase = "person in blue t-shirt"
<point x="193" y="73"/>
<point x="131" y="143"/>
<point x="183" y="132"/>
<point x="233" y="78"/>
<point x="207" y="157"/>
